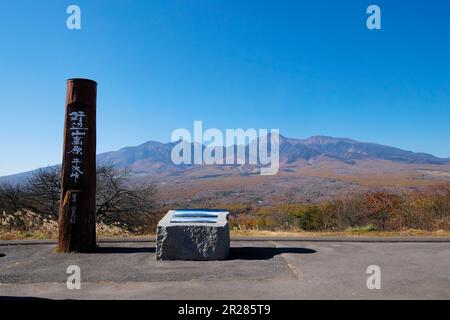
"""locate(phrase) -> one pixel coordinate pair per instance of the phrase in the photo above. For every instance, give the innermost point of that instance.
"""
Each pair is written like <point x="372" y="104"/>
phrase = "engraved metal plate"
<point x="194" y="216"/>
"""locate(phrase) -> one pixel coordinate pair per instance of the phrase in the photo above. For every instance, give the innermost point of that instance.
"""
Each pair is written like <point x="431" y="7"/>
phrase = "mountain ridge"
<point x="154" y="158"/>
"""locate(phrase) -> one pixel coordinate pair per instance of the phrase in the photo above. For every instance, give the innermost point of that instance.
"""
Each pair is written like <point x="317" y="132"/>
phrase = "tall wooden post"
<point x="77" y="210"/>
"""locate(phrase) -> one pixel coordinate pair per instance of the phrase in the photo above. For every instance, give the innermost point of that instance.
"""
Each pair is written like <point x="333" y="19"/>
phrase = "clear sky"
<point x="305" y="67"/>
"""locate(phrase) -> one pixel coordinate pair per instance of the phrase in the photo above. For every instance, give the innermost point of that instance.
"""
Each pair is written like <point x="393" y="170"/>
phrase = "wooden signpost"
<point x="77" y="210"/>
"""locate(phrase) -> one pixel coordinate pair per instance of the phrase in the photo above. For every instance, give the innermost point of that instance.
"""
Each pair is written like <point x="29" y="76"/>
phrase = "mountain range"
<point x="317" y="166"/>
<point x="155" y="157"/>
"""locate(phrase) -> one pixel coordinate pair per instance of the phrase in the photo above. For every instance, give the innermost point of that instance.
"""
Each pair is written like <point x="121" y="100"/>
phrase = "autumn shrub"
<point x="428" y="210"/>
<point x="381" y="207"/>
<point x="378" y="210"/>
<point x="344" y="212"/>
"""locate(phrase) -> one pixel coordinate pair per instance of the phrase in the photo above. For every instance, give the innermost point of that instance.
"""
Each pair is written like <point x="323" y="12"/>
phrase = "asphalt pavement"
<point x="258" y="268"/>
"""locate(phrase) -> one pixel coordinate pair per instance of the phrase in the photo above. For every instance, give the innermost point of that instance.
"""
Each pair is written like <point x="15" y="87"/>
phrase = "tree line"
<point x="135" y="208"/>
<point x="378" y="210"/>
<point x="118" y="202"/>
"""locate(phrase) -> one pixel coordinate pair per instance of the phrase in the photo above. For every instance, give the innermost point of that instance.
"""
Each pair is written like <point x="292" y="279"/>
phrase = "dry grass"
<point x="108" y="232"/>
<point x="305" y="234"/>
<point x="380" y="173"/>
<point x="51" y="232"/>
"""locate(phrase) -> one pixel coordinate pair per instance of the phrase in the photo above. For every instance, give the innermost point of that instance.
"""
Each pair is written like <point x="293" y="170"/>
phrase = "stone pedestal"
<point x="193" y="235"/>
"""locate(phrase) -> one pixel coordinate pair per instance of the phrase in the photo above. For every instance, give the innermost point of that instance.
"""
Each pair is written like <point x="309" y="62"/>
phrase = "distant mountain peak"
<point x="154" y="158"/>
<point x="327" y="139"/>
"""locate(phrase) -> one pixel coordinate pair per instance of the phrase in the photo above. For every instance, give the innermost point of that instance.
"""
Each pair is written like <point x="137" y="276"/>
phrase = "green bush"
<point x="363" y="229"/>
<point x="308" y="218"/>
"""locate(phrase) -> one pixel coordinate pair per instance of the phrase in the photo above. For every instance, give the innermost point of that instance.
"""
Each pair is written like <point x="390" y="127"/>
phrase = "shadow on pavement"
<point x="2" y="255"/>
<point x="119" y="250"/>
<point x="13" y="298"/>
<point x="263" y="253"/>
<point x="236" y="253"/>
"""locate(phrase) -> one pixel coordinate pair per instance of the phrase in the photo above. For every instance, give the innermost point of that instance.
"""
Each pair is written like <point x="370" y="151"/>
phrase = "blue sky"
<point x="305" y="67"/>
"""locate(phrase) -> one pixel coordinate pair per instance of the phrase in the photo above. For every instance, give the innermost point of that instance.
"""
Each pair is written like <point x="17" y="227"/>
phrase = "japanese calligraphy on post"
<point x="77" y="133"/>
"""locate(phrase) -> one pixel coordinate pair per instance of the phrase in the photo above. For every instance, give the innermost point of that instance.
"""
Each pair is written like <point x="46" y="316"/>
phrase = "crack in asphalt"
<point x="297" y="273"/>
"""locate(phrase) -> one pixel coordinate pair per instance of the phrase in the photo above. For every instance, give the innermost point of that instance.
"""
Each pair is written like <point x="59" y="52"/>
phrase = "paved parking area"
<point x="256" y="269"/>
